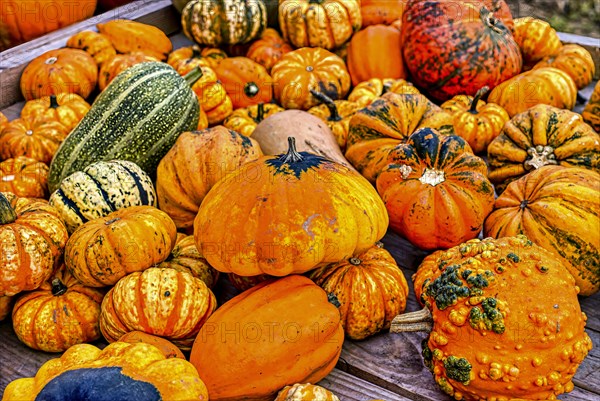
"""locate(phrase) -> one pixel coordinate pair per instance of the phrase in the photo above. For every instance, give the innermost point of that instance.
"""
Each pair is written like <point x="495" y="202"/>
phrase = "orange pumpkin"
<point x="573" y="59"/>
<point x="336" y="115"/>
<point x="96" y="44"/>
<point x="160" y="301"/>
<point x="61" y="313"/>
<point x="196" y="55"/>
<point x="38" y="139"/>
<point x="366" y="92"/>
<point x="591" y="111"/>
<point x="245" y="120"/>
<point x="384" y="12"/>
<point x="103" y="250"/>
<point x="169" y="349"/>
<point x="6" y="305"/>
<point x="536" y="39"/>
<point x="111" y="68"/>
<point x="24" y="177"/>
<point x="32" y="239"/>
<point x="366" y="61"/>
<point x="66" y="108"/>
<point x="196" y="162"/>
<point x="301" y="70"/>
<point x="305" y="392"/>
<point x="131" y="36"/>
<point x="267" y="50"/>
<point x="59" y="71"/>
<point x="246" y="82"/>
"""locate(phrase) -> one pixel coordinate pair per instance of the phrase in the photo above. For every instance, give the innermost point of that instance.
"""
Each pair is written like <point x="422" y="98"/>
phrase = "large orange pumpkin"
<point x="246" y="82"/>
<point x="24" y="177"/>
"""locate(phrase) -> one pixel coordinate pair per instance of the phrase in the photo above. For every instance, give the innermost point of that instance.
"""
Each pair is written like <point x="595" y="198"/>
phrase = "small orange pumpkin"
<point x="366" y="92"/>
<point x="245" y="120"/>
<point x="169" y="349"/>
<point x="267" y="50"/>
<point x="246" y="82"/>
<point x="573" y="59"/>
<point x="37" y="139"/>
<point x="336" y="114"/>
<point x="208" y="56"/>
<point x="25" y="177"/>
<point x="536" y="39"/>
<point x="96" y="44"/>
<point x="111" y="68"/>
<point x="66" y="108"/>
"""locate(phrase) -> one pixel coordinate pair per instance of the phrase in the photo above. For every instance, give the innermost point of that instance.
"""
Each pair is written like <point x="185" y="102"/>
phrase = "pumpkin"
<point x="336" y="115"/>
<point x="475" y="121"/>
<point x="33" y="238"/>
<point x="387" y="122"/>
<point x="591" y="111"/>
<point x="111" y="68"/>
<point x="158" y="301"/>
<point x="197" y="161"/>
<point x="132" y="36"/>
<point x="347" y="217"/>
<point x="101" y="188"/>
<point x="3" y="121"/>
<point x="384" y="12"/>
<point x="120" y="371"/>
<point x="246" y="82"/>
<point x="96" y="44"/>
<point x="59" y="314"/>
<point x="57" y="71"/>
<point x="439" y="38"/>
<point x="366" y="92"/>
<point x="186" y="257"/>
<point x="24" y="177"/>
<point x="301" y="70"/>
<point x="371" y="290"/>
<point x="558" y="208"/>
<point x="169" y="349"/>
<point x="209" y="56"/>
<point x="103" y="250"/>
<point x="366" y="61"/>
<point x="573" y="59"/>
<point x="547" y="85"/>
<point x="310" y="23"/>
<point x="436" y="190"/>
<point x="243" y="283"/>
<point x="305" y="392"/>
<point x="21" y="21"/>
<point x="6" y="304"/>
<point x="245" y="120"/>
<point x="269" y="328"/>
<point x="536" y="39"/>
<point x="37" y="139"/>
<point x="66" y="108"/>
<point x="223" y="22"/>
<point x="498" y="328"/>
<point x="267" y="50"/>
<point x="542" y="135"/>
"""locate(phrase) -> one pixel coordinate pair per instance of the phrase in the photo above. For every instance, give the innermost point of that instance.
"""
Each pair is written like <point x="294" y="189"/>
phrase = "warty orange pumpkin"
<point x="3" y="121"/>
<point x="38" y="139"/>
<point x="65" y="108"/>
<point x="24" y="177"/>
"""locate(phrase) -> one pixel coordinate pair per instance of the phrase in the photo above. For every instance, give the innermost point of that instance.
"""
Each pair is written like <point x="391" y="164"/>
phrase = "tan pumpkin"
<point x="24" y="177"/>
<point x="119" y="63"/>
<point x="132" y="36"/>
<point x="536" y="39"/>
<point x="37" y="139"/>
<point x="573" y="59"/>
<point x="196" y="162"/>
<point x="96" y="44"/>
<point x="305" y="392"/>
<point x="58" y="315"/>
<point x="6" y="305"/>
<point x="367" y="91"/>
<point x="246" y="119"/>
<point x="591" y="111"/>
<point x="65" y="108"/>
<point x="268" y="49"/>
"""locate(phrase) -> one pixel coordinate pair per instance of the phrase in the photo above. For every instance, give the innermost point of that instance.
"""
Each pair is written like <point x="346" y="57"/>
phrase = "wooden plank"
<point x="351" y="388"/>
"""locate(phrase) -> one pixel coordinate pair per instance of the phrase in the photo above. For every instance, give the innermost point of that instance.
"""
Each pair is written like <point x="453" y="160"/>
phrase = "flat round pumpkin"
<point x="66" y="108"/>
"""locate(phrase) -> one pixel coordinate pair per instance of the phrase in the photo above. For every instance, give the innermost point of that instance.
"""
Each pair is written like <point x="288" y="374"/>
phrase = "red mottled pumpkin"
<point x="38" y="139"/>
<point x="25" y="177"/>
<point x="65" y="108"/>
<point x="268" y="49"/>
<point x="246" y="82"/>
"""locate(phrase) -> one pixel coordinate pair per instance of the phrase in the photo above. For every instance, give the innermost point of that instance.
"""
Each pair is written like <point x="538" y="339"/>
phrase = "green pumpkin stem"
<point x="334" y="115"/>
<point x="292" y="155"/>
<point x="53" y="102"/>
<point x="260" y="112"/>
<point x="251" y="89"/>
<point x="193" y="76"/>
<point x="58" y="287"/>
<point x="7" y="213"/>
<point x="332" y="299"/>
<point x="413" y="321"/>
<point x="480" y="93"/>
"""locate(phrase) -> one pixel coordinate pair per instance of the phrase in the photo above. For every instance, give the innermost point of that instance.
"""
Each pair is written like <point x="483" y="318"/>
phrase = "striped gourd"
<point x="223" y="22"/>
<point x="100" y="189"/>
<point x="138" y="118"/>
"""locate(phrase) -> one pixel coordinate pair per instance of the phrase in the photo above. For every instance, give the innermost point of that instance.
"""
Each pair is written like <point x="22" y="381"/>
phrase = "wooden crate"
<point x="387" y="366"/>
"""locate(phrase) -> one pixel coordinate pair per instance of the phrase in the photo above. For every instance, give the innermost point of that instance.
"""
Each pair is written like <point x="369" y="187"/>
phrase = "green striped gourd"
<point x="138" y="118"/>
<point x="100" y="189"/>
<point x="223" y="22"/>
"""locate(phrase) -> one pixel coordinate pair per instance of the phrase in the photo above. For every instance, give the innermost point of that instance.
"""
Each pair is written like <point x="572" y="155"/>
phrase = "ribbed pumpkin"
<point x="66" y="108"/>
<point x="281" y="231"/>
<point x="385" y="12"/>
<point x="6" y="304"/>
<point x="439" y="39"/>
<point x="435" y="190"/>
<point x="57" y="71"/>
<point x="119" y="63"/>
<point x="245" y="120"/>
<point x="305" y="392"/>
<point x="267" y="50"/>
<point x="366" y="92"/>
<point x="541" y="136"/>
<point x="366" y="61"/>
<point x="120" y="371"/>
<point x="158" y="301"/>
<point x="547" y="85"/>
<point x="24" y="177"/>
<point x="336" y="114"/>
<point x="476" y="121"/>
<point x="186" y="257"/>
<point x="246" y="82"/>
<point x="301" y="70"/>
<point x="371" y="290"/>
<point x="573" y="59"/>
<point x="96" y="44"/>
<point x="316" y="23"/>
<point x="169" y="349"/>
<point x="272" y="329"/>
<point x="32" y="239"/>
<point x="223" y="22"/>
<point x="506" y="321"/>
<point x="103" y="250"/>
<point x="38" y="139"/>
<point x="131" y="36"/>
<point x="197" y="161"/>
<point x="591" y="111"/>
<point x="558" y="208"/>
<point x="536" y="39"/>
<point x="209" y="56"/>
<point x="386" y="122"/>
<point x="59" y="314"/>
<point x="100" y="189"/>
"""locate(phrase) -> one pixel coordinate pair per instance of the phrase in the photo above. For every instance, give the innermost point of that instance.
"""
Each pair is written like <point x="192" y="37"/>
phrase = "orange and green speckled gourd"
<point x="505" y="322"/>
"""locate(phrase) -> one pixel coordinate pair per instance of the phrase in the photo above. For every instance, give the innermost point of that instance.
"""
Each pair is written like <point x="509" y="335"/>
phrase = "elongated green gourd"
<point x="137" y="118"/>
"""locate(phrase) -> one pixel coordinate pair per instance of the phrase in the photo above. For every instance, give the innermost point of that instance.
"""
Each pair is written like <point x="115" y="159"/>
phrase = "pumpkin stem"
<point x="58" y="287"/>
<point x="491" y="21"/>
<point x="196" y="51"/>
<point x="292" y="155"/>
<point x="379" y="244"/>
<point x="480" y="93"/>
<point x="413" y="321"/>
<point x="53" y="102"/>
<point x="334" y="115"/>
<point x="260" y="112"/>
<point x="7" y="213"/>
<point x="333" y="300"/>
<point x="355" y="261"/>
<point x="251" y="89"/>
<point x="193" y="76"/>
